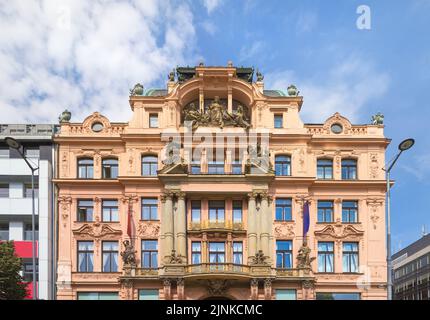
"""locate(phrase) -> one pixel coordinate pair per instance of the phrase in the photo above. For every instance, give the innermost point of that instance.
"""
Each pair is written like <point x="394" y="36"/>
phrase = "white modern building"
<point x="16" y="200"/>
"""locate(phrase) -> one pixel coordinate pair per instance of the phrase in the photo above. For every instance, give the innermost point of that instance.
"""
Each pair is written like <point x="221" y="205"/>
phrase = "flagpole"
<point x="304" y="242"/>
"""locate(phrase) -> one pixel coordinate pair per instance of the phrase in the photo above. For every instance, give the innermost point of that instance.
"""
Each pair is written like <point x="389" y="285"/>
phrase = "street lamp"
<point x="403" y="146"/>
<point x="11" y="142"/>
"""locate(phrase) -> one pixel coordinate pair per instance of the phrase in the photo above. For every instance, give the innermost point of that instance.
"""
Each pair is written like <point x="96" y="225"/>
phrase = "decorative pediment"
<point x="174" y="168"/>
<point x="96" y="230"/>
<point x="339" y="231"/>
<point x="337" y="119"/>
<point x="96" y="123"/>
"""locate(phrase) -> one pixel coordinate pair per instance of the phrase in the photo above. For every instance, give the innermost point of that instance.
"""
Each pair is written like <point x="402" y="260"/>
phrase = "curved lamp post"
<point x="14" y="144"/>
<point x="403" y="146"/>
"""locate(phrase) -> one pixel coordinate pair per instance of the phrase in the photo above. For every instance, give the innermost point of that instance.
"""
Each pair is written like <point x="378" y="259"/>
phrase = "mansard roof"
<point x="187" y="73"/>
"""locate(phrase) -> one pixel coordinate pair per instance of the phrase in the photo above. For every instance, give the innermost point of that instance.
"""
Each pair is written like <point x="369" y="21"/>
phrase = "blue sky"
<point x="84" y="56"/>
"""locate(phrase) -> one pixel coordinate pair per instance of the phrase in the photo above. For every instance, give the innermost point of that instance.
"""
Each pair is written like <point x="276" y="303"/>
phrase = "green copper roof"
<point x="187" y="73"/>
<point x="155" y="92"/>
<point x="274" y="93"/>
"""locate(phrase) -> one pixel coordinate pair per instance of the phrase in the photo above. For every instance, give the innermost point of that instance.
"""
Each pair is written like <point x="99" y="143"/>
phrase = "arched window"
<point x="324" y="169"/>
<point x="110" y="168"/>
<point x="85" y="168"/>
<point x="149" y="165"/>
<point x="349" y="169"/>
<point x="283" y="165"/>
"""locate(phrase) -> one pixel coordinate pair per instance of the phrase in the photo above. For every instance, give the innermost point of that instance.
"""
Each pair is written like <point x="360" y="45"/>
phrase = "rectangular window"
<point x="85" y="168"/>
<point x="216" y="167"/>
<point x="216" y="252"/>
<point x="337" y="296"/>
<point x="237" y="211"/>
<point x="349" y="169"/>
<point x="325" y="257"/>
<point x="282" y="165"/>
<point x="216" y="211"/>
<point x="278" y="121"/>
<point x="110" y="210"/>
<point x="195" y="167"/>
<point x="196" y="253"/>
<point x="238" y="252"/>
<point x="4" y="152"/>
<point x="149" y="209"/>
<point x="28" y="232"/>
<point x="350" y="211"/>
<point x="150" y="254"/>
<point x="28" y="192"/>
<point x="4" y="231"/>
<point x="236" y="167"/>
<point x="350" y="257"/>
<point x="4" y="190"/>
<point x="153" y="120"/>
<point x="284" y="254"/>
<point x="196" y="210"/>
<point x="149" y="165"/>
<point x="325" y="169"/>
<point x="85" y="210"/>
<point x="110" y="256"/>
<point x="148" y="294"/>
<point x="285" y="294"/>
<point x="32" y="153"/>
<point x="85" y="256"/>
<point x="283" y="210"/>
<point x="28" y="271"/>
<point x="97" y="295"/>
<point x="110" y="168"/>
<point x="325" y="211"/>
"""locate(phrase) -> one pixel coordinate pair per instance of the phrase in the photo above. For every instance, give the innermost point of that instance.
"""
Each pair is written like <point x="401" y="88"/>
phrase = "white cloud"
<point x="252" y="50"/>
<point x="85" y="55"/>
<point x="347" y="88"/>
<point x="211" y="5"/>
<point x="306" y="22"/>
<point x="209" y="27"/>
<point x="419" y="167"/>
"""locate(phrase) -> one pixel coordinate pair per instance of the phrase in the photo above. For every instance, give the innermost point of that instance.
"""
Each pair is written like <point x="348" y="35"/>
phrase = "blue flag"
<point x="306" y="219"/>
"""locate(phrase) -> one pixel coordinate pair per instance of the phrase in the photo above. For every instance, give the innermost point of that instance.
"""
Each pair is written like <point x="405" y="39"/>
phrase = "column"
<point x="204" y="248"/>
<point x="180" y="227"/>
<point x="167" y="289"/>
<point x="252" y="226"/>
<point x="163" y="227"/>
<point x="271" y="237"/>
<point x="168" y="224"/>
<point x="264" y="222"/>
<point x="254" y="289"/>
<point x="180" y="288"/>
<point x="268" y="289"/>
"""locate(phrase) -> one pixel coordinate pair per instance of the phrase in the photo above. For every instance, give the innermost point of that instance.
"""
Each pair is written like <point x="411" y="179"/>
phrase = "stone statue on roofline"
<point x="260" y="76"/>
<point x="137" y="90"/>
<point x="378" y="119"/>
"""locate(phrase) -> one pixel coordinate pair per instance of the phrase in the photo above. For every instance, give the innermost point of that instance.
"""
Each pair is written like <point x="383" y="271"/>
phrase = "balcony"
<point x="216" y="226"/>
<point x="222" y="268"/>
<point x="226" y="270"/>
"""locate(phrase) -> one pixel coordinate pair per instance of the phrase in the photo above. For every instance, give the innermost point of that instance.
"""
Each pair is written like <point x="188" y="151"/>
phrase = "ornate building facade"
<point x="201" y="195"/>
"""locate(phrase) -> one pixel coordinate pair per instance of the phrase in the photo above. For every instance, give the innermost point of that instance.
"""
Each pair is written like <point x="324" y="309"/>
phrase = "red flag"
<point x="130" y="219"/>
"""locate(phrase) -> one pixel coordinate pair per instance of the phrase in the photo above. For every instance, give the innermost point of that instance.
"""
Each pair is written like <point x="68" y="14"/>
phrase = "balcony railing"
<point x="221" y="225"/>
<point x="217" y="268"/>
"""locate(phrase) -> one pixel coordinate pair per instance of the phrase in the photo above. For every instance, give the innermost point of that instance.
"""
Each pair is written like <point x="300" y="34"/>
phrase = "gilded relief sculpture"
<point x="216" y="115"/>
